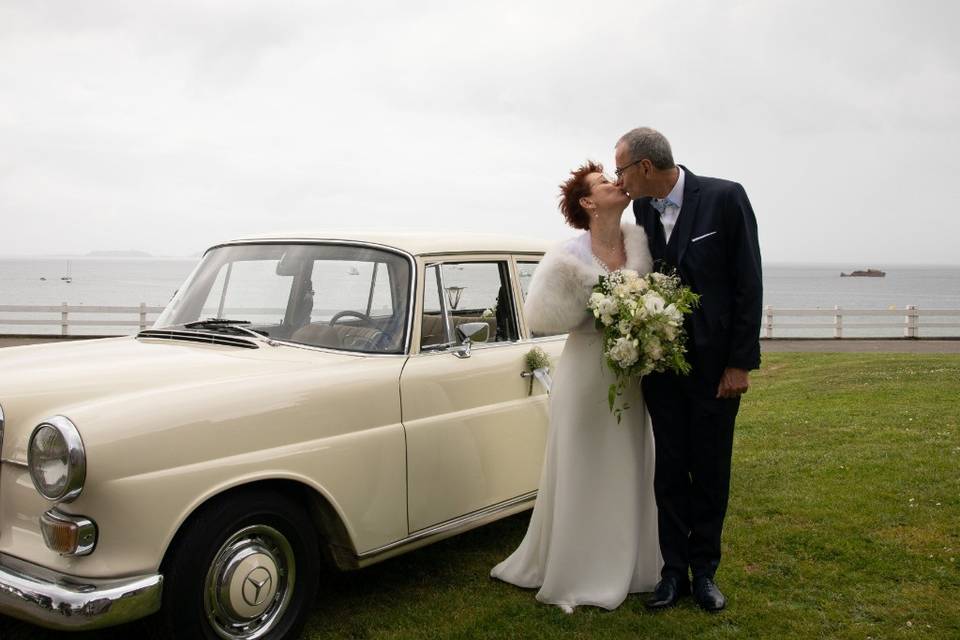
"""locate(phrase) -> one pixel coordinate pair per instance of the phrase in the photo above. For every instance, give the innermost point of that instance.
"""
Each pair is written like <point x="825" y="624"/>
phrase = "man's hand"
<point x="733" y="383"/>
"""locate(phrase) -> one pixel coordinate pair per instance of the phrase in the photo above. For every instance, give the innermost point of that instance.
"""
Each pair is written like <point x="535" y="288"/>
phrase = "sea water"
<point x="153" y="281"/>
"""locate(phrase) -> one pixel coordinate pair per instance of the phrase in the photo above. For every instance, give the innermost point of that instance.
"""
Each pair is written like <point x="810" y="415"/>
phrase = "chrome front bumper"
<point x="56" y="601"/>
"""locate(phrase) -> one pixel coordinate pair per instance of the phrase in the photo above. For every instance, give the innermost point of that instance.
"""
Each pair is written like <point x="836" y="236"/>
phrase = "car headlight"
<point x="57" y="461"/>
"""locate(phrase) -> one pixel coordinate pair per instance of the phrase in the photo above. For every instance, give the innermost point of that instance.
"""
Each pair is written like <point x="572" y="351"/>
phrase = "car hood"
<point x="90" y="378"/>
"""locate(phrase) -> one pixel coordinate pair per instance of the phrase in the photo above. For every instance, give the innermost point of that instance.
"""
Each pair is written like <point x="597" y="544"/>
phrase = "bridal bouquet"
<point x="641" y="318"/>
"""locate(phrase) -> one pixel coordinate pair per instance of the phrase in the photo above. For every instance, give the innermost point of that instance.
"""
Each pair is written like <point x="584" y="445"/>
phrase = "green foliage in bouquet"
<point x="641" y="319"/>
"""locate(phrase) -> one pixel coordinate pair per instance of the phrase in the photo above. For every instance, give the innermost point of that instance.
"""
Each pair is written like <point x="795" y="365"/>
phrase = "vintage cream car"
<point x="303" y="399"/>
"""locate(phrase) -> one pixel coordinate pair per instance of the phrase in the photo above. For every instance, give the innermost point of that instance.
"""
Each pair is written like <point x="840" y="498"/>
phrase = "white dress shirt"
<point x="672" y="211"/>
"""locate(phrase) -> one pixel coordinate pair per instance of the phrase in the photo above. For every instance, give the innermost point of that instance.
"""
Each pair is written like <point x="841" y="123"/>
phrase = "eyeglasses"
<point x="619" y="170"/>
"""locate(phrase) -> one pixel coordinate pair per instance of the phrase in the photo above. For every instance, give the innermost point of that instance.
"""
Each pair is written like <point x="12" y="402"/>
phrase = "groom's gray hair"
<point x="644" y="142"/>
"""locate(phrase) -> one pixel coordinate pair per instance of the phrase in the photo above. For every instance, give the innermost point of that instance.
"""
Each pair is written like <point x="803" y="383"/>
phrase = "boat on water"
<point x="869" y="273"/>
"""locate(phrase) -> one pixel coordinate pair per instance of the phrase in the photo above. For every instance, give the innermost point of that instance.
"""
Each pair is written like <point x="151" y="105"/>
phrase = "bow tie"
<point x="661" y="204"/>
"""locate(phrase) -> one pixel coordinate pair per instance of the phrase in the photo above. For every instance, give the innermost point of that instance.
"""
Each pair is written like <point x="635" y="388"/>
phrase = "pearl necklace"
<point x="600" y="263"/>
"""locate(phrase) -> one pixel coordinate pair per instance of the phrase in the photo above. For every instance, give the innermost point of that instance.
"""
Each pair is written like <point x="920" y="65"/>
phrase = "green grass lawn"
<point x="844" y="522"/>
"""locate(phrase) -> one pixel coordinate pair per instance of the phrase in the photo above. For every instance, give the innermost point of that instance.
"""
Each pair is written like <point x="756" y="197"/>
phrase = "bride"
<point x="592" y="537"/>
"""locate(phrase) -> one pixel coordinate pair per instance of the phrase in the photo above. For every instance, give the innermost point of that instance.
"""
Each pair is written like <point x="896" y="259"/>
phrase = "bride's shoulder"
<point x="556" y="301"/>
<point x="576" y="249"/>
<point x="567" y="263"/>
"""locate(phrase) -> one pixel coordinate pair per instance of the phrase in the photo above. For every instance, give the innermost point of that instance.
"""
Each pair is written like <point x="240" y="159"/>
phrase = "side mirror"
<point x="473" y="332"/>
<point x="468" y="333"/>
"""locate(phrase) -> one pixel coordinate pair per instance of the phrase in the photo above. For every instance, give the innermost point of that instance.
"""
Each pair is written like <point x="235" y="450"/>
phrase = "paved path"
<point x="847" y="345"/>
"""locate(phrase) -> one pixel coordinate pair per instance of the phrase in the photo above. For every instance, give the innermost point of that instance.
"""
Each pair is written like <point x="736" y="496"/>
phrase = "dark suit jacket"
<point x="718" y="256"/>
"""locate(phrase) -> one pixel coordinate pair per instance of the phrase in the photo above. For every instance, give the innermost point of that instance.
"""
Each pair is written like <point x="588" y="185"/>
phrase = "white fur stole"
<point x="562" y="283"/>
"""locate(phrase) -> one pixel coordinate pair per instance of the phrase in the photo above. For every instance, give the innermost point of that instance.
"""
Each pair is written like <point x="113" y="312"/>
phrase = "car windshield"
<point x="336" y="296"/>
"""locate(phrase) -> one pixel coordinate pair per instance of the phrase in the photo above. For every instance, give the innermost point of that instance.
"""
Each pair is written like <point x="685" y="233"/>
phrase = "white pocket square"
<point x="699" y="238"/>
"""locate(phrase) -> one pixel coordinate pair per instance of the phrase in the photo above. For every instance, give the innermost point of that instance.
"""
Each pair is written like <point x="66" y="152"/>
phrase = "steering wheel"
<point x="366" y="343"/>
<point x="356" y="314"/>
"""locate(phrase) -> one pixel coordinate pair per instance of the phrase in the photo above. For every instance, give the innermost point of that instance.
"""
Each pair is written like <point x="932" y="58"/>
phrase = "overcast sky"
<point x="169" y="126"/>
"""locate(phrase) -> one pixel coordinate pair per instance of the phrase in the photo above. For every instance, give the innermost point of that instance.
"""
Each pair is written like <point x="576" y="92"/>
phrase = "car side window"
<point x="525" y="270"/>
<point x="457" y="293"/>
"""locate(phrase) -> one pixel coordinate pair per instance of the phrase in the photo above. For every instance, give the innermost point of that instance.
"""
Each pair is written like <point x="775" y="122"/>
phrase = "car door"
<point x="475" y="434"/>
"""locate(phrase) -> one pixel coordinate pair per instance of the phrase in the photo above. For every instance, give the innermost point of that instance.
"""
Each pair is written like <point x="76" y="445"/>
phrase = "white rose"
<point x="607" y="306"/>
<point x="624" y="352"/>
<point x="673" y="313"/>
<point x="653" y="303"/>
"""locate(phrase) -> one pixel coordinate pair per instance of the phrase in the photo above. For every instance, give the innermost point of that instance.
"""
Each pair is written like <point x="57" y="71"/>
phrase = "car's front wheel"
<point x="244" y="568"/>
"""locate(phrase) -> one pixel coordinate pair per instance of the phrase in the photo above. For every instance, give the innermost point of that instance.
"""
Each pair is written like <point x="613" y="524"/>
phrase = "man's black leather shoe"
<point x="707" y="595"/>
<point x="668" y="591"/>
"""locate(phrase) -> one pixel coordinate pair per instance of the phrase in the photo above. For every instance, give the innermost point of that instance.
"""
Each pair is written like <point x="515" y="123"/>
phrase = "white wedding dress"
<point x="592" y="537"/>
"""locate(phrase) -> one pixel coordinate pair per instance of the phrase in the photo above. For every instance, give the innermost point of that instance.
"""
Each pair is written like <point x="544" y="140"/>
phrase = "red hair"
<point x="572" y="190"/>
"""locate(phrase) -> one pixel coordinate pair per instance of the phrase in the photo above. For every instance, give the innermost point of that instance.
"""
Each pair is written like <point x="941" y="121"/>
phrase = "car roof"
<point x="418" y="243"/>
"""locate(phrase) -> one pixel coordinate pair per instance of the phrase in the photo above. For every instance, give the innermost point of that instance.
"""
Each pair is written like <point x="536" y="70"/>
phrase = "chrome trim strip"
<point x="557" y="336"/>
<point x="2" y="422"/>
<point x="56" y="601"/>
<point x="76" y="458"/>
<point x="339" y="352"/>
<point x="449" y="528"/>
<point x="16" y="463"/>
<point x="482" y="255"/>
<point x="477" y="346"/>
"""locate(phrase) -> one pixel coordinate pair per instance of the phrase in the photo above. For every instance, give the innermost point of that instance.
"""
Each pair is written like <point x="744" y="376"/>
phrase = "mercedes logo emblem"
<point x="256" y="586"/>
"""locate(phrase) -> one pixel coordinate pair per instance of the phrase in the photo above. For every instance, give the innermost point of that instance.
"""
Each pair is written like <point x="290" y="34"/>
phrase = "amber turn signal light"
<point x="67" y="534"/>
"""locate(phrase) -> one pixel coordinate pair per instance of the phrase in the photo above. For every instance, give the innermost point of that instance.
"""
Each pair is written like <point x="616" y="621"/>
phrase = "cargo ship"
<point x="869" y="273"/>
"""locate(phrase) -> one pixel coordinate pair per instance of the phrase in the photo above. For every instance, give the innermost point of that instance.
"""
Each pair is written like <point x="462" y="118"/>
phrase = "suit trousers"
<point x="693" y="431"/>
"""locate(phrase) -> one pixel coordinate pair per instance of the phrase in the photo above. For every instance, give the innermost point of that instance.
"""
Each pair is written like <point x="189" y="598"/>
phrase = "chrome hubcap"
<point x="249" y="583"/>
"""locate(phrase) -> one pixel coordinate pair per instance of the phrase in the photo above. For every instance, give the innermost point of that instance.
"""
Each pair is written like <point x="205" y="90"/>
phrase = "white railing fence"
<point x="139" y="317"/>
<point x="910" y="319"/>
<point x="142" y="316"/>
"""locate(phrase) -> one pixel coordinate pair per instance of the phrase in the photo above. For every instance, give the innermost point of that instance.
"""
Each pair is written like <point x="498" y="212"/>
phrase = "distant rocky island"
<point x="119" y="254"/>
<point x="869" y="273"/>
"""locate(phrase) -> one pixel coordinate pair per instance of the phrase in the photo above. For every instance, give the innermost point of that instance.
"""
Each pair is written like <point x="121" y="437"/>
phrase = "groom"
<point x="705" y="229"/>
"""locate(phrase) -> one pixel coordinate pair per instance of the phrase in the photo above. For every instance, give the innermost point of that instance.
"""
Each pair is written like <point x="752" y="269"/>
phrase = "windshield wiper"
<point x="214" y="323"/>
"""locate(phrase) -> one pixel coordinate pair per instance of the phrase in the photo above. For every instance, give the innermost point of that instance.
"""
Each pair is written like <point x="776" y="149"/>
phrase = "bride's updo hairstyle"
<point x="572" y="190"/>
